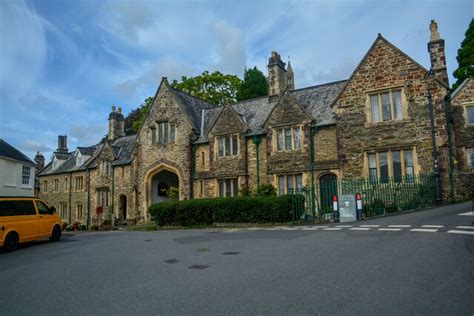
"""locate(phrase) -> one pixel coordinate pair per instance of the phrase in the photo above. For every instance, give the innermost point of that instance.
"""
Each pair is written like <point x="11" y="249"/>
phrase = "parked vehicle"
<point x="25" y="219"/>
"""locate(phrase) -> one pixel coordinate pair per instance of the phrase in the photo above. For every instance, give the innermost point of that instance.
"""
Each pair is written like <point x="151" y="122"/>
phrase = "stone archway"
<point x="122" y="207"/>
<point x="158" y="180"/>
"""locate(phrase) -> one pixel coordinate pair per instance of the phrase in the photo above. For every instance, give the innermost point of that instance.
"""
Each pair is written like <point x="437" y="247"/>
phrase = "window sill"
<point x="387" y="123"/>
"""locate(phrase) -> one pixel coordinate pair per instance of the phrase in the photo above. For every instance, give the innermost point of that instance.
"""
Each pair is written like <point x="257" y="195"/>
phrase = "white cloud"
<point x="229" y="48"/>
<point x="22" y="46"/>
<point x="34" y="146"/>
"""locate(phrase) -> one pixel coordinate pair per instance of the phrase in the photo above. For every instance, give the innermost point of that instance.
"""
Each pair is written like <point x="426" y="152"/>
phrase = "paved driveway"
<point x="416" y="263"/>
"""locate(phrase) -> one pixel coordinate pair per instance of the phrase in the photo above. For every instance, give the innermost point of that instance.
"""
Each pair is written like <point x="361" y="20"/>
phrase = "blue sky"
<point x="63" y="64"/>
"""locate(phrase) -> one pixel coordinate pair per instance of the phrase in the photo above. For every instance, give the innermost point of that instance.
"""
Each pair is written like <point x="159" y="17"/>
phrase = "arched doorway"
<point x="327" y="189"/>
<point x="123" y="207"/>
<point x="164" y="186"/>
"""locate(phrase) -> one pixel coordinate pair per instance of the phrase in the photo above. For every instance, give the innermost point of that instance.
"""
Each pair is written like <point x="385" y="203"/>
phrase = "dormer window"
<point x="79" y="160"/>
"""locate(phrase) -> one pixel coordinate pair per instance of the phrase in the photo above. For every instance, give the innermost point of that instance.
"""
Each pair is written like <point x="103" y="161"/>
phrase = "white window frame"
<point x="25" y="175"/>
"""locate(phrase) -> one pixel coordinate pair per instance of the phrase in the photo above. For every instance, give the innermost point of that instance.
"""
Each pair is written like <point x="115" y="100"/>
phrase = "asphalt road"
<point x="406" y="269"/>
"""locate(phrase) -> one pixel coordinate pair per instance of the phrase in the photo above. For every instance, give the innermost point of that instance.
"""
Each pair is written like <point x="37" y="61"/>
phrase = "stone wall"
<point x="462" y="137"/>
<point x="176" y="157"/>
<point x="385" y="67"/>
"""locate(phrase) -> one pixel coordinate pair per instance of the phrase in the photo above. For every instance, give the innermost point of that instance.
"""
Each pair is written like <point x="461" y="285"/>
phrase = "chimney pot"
<point x="119" y="110"/>
<point x="113" y="108"/>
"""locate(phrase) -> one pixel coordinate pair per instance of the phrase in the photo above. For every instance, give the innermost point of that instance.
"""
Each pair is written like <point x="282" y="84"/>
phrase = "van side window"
<point x="16" y="208"/>
<point x="42" y="208"/>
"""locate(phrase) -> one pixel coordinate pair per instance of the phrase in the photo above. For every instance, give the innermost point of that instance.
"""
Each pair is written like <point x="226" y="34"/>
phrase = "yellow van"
<point x="25" y="219"/>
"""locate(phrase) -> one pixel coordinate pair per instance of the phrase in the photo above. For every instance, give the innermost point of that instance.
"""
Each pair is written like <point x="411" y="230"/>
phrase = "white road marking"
<point x="321" y="226"/>
<point x="390" y="229"/>
<point x="432" y="226"/>
<point x="399" y="226"/>
<point x="333" y="228"/>
<point x="360" y="228"/>
<point x="460" y="232"/>
<point x="254" y="228"/>
<point x="233" y="230"/>
<point x="344" y="226"/>
<point x="465" y="227"/>
<point x="272" y="228"/>
<point x="423" y="230"/>
<point x="310" y="228"/>
<point x="466" y="214"/>
<point x="371" y="226"/>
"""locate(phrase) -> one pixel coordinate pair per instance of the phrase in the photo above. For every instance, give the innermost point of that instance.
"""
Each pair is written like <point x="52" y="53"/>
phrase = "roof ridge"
<point x="321" y="85"/>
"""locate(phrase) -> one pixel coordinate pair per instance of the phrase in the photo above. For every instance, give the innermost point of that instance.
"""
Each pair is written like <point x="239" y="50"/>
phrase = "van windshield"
<point x="17" y="208"/>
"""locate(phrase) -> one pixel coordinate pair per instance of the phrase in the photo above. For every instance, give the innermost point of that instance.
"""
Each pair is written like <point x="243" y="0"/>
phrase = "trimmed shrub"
<point x="240" y="209"/>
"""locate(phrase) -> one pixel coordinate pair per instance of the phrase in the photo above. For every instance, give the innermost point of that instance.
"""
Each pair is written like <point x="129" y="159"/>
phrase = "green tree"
<point x="215" y="88"/>
<point x="135" y="118"/>
<point x="465" y="57"/>
<point x="254" y="85"/>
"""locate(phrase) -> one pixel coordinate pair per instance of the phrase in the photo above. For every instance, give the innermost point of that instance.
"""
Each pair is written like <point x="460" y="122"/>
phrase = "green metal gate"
<point x="379" y="196"/>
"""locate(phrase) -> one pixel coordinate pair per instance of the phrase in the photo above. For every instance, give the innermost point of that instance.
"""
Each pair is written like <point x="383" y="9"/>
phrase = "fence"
<point x="379" y="196"/>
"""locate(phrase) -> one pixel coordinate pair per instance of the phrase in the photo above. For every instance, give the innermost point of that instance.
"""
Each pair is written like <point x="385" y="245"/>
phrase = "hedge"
<point x="240" y="209"/>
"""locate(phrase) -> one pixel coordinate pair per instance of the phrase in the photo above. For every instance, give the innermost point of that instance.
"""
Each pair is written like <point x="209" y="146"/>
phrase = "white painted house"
<point x="17" y="172"/>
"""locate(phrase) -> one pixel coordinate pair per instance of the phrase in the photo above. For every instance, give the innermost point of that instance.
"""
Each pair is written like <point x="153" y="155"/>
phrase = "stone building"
<point x="376" y="124"/>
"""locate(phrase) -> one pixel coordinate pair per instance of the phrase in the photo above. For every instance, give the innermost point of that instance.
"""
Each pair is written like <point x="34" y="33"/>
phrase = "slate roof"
<point x="122" y="147"/>
<point x="316" y="100"/>
<point x="193" y="107"/>
<point x="8" y="151"/>
<point x="459" y="88"/>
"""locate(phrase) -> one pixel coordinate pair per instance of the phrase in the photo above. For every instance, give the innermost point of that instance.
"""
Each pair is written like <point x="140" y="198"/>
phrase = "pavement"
<point x="416" y="263"/>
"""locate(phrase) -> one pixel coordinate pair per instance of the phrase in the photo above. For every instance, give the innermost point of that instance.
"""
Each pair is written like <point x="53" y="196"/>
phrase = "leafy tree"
<point x="465" y="57"/>
<point x="135" y="118"/>
<point x="254" y="85"/>
<point x="215" y="88"/>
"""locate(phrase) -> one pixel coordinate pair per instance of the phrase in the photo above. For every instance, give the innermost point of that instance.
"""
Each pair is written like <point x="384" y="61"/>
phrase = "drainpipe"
<point x="256" y="141"/>
<point x="69" y="215"/>
<point x="437" y="176"/>
<point x="192" y="171"/>
<point x="113" y="198"/>
<point x="450" y="147"/>
<point x="88" y="179"/>
<point x="312" y="134"/>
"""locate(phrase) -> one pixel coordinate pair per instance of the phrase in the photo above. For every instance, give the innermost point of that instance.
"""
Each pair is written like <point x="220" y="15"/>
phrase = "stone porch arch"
<point x="154" y="169"/>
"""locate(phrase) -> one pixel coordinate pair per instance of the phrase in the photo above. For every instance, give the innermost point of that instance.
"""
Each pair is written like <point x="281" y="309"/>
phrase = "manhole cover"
<point x="171" y="261"/>
<point x="230" y="253"/>
<point x="198" y="267"/>
<point x="203" y="249"/>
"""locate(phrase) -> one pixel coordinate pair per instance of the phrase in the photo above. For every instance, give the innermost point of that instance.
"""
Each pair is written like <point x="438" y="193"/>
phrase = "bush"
<point x="241" y="209"/>
<point x="265" y="190"/>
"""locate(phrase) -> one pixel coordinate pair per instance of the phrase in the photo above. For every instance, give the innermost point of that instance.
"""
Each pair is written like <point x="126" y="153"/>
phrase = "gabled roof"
<point x="193" y="107"/>
<point x="372" y="47"/>
<point x="8" y="151"/>
<point x="315" y="100"/>
<point x="460" y="87"/>
<point x="122" y="148"/>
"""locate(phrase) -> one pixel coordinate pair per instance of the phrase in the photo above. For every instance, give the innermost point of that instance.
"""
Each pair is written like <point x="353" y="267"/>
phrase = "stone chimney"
<point x="437" y="55"/>
<point x="276" y="75"/>
<point x="62" y="144"/>
<point x="116" y="124"/>
<point x="39" y="159"/>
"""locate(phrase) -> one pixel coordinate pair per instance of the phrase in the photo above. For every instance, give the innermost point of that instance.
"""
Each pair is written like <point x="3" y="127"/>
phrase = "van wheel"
<point x="11" y="242"/>
<point x="56" y="234"/>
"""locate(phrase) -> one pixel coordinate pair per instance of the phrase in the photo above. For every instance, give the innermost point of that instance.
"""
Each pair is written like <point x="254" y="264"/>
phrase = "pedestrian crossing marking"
<point x="465" y="227"/>
<point x="424" y="230"/>
<point x="371" y="226"/>
<point x="466" y="214"/>
<point x="360" y="228"/>
<point x="432" y="226"/>
<point x="454" y="231"/>
<point x="333" y="228"/>
<point x="390" y="229"/>
<point x="399" y="226"/>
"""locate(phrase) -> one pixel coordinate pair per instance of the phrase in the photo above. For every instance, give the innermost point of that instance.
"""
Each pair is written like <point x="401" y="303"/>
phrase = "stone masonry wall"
<point x="385" y="67"/>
